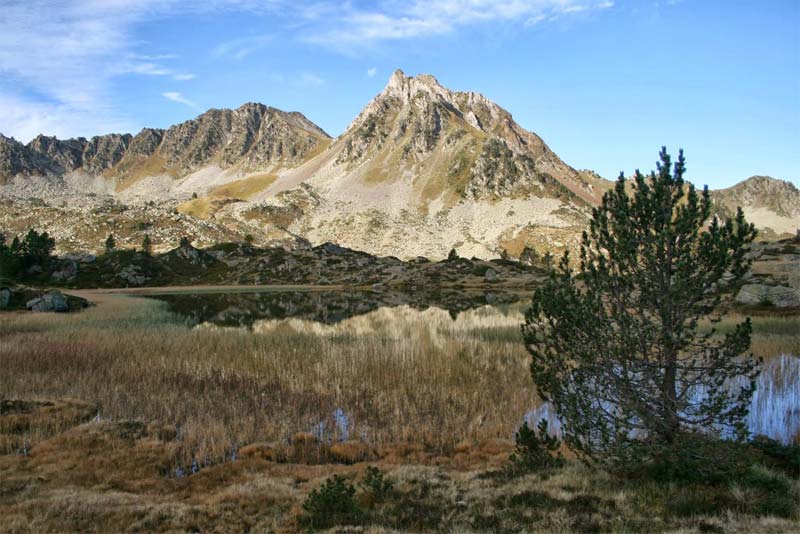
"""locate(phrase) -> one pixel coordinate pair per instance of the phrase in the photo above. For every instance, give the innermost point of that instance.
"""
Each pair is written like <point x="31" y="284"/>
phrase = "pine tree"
<point x="111" y="243"/>
<point x="615" y="346"/>
<point x="147" y="245"/>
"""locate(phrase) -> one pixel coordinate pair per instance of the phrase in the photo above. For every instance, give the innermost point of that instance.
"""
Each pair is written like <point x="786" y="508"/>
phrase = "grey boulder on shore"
<point x="778" y="296"/>
<point x="52" y="301"/>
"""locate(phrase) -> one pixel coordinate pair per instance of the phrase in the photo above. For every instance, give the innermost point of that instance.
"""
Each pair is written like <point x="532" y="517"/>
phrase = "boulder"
<point x="52" y="301"/>
<point x="760" y="294"/>
<point x="5" y="298"/>
<point x="491" y="275"/>
<point x="132" y="275"/>
<point x="68" y="271"/>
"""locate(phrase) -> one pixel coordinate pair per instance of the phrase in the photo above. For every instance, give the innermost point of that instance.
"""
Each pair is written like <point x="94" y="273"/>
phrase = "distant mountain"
<point x="252" y="137"/>
<point x="772" y="205"/>
<point x="420" y="171"/>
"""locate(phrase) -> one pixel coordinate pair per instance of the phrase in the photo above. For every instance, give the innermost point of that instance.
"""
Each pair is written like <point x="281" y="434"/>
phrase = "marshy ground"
<point x="125" y="418"/>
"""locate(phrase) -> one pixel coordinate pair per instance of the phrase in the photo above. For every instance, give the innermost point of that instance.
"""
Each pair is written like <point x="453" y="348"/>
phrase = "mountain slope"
<point x="253" y="137"/>
<point x="423" y="169"/>
<point x="420" y="171"/>
<point x="772" y="205"/>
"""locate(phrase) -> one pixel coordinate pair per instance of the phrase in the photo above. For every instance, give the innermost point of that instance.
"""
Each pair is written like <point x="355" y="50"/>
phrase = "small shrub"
<point x="783" y="457"/>
<point x="536" y="450"/>
<point x="331" y="504"/>
<point x="697" y="458"/>
<point x="375" y="486"/>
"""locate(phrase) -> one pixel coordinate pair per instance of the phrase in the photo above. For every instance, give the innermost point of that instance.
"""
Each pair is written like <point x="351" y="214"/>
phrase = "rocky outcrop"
<point x="252" y="137"/>
<point x="772" y="205"/>
<point x="15" y="159"/>
<point x="462" y="137"/>
<point x="5" y="298"/>
<point x="765" y="295"/>
<point x="52" y="301"/>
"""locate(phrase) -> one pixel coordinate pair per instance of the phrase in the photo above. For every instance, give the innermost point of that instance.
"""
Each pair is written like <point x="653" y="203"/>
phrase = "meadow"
<point x="148" y="424"/>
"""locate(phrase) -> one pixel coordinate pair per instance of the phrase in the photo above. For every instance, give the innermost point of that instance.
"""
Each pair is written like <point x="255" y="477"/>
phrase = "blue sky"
<point x="605" y="83"/>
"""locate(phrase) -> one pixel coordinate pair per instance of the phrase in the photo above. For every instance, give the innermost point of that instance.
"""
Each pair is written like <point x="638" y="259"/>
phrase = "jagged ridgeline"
<point x="252" y="137"/>
<point x="420" y="171"/>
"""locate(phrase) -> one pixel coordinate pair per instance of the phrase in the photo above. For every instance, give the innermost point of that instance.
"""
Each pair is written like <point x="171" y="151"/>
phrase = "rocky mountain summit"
<point x="456" y="141"/>
<point x="252" y="137"/>
<point x="420" y="171"/>
<point x="772" y="205"/>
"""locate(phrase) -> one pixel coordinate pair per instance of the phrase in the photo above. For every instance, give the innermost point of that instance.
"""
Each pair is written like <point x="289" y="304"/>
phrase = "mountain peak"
<point x="406" y="87"/>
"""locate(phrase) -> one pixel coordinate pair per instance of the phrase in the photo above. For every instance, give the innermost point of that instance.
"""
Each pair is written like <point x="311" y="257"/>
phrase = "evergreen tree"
<point x="147" y="245"/>
<point x="9" y="261"/>
<point x="547" y="260"/>
<point x="615" y="347"/>
<point x="36" y="248"/>
<point x="453" y="255"/>
<point x="111" y="243"/>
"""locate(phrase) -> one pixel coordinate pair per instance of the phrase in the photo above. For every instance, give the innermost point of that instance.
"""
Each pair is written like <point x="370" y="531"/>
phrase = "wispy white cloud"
<point x="59" y="59"/>
<point x="309" y="79"/>
<point x="302" y="79"/>
<point x="179" y="98"/>
<point x="390" y="20"/>
<point x="371" y="72"/>
<point x="241" y="48"/>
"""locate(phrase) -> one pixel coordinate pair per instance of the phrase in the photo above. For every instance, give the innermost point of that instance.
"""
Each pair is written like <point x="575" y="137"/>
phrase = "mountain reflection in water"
<point x="243" y="309"/>
<point x="774" y="410"/>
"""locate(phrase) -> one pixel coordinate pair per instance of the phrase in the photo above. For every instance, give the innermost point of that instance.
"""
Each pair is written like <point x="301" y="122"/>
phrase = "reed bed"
<point x="394" y="375"/>
<point x="434" y="381"/>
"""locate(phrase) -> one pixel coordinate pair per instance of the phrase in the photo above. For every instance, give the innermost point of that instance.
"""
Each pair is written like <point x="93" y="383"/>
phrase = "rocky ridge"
<point x="252" y="137"/>
<point x="420" y="171"/>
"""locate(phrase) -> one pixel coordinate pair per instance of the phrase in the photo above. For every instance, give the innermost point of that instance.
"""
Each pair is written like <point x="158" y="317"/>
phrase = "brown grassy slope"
<point x="222" y="387"/>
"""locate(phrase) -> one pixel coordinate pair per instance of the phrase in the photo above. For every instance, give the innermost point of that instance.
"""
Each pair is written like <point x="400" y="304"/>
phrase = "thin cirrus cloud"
<point x="59" y="60"/>
<point x="240" y="48"/>
<point x="392" y="21"/>
<point x="179" y="98"/>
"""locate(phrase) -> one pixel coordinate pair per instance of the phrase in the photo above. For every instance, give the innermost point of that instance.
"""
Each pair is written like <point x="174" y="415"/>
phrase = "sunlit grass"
<point x="436" y="383"/>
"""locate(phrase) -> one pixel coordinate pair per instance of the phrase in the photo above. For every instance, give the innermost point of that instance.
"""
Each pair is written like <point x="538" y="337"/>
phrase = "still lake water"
<point x="774" y="411"/>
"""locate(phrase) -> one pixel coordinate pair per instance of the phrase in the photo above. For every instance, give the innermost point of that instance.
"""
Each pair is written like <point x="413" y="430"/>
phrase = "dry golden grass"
<point x="245" y="188"/>
<point x="132" y="170"/>
<point x="226" y="388"/>
<point x="433" y="403"/>
<point x="204" y="208"/>
<point x="773" y="334"/>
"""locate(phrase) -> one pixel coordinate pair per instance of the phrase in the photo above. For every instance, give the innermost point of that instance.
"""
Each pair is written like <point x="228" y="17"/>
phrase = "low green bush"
<point x="536" y="450"/>
<point x="332" y="504"/>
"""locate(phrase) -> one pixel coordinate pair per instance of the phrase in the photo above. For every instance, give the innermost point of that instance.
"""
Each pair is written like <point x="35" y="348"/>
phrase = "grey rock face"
<point x="759" y="294"/>
<point x="132" y="275"/>
<point x="145" y="142"/>
<point x="5" y="298"/>
<point x="16" y="159"/>
<point x="68" y="271"/>
<point x="105" y="151"/>
<point x="53" y="301"/>
<point x="253" y="136"/>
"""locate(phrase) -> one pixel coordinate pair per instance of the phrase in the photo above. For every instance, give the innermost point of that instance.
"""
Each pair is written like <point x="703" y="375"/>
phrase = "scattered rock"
<point x="759" y="294"/>
<point x="132" y="275"/>
<point x="68" y="271"/>
<point x="52" y="301"/>
<point x="5" y="298"/>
